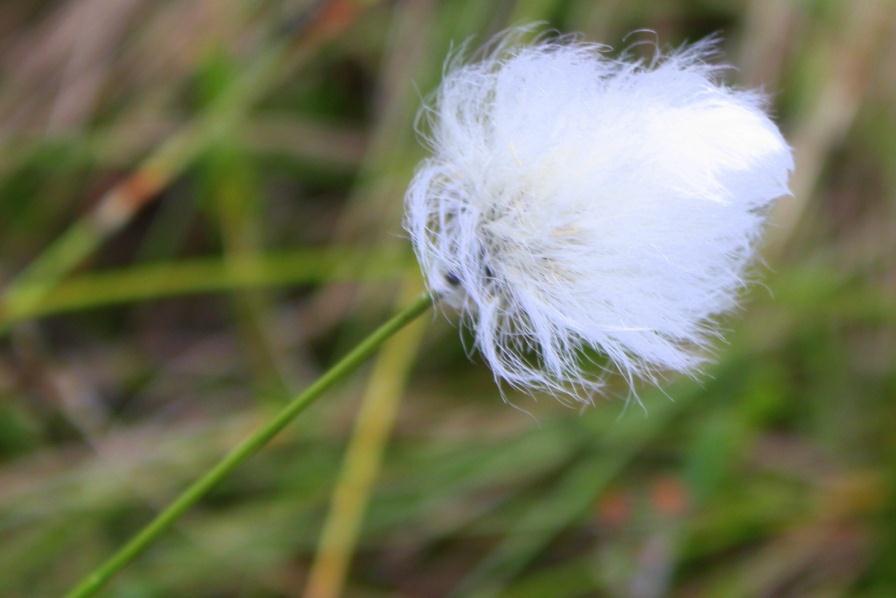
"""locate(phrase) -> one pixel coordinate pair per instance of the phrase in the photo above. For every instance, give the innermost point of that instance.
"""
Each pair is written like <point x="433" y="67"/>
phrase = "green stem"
<point x="92" y="583"/>
<point x="146" y="282"/>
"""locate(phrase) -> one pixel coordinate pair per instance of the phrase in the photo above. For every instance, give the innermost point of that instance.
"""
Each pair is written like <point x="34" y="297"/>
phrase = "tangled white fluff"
<point x="575" y="202"/>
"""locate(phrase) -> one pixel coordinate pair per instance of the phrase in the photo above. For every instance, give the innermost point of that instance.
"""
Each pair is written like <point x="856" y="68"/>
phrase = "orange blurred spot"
<point x="139" y="188"/>
<point x="669" y="496"/>
<point x="336" y="16"/>
<point x="614" y="508"/>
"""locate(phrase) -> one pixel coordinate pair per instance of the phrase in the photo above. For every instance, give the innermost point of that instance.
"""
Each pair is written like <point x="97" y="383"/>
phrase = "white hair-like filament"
<point x="573" y="202"/>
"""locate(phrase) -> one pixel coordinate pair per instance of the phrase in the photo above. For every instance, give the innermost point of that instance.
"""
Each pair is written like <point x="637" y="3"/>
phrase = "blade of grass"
<point x="96" y="579"/>
<point x="204" y="275"/>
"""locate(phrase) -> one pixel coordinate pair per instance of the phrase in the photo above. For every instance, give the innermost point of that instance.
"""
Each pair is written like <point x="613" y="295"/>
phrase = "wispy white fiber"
<point x="574" y="202"/>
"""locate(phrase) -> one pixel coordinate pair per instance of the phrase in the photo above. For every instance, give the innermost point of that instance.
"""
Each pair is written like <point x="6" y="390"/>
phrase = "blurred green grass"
<point x="278" y="244"/>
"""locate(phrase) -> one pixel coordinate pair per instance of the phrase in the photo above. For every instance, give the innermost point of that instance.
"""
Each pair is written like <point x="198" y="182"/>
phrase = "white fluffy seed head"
<point x="573" y="202"/>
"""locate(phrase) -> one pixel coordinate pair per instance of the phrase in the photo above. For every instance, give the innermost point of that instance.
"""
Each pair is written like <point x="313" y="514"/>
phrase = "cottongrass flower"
<point x="574" y="202"/>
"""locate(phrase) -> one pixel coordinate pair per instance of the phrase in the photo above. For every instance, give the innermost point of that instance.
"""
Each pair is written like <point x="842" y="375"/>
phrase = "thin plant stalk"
<point x="147" y="282"/>
<point x="97" y="578"/>
<point x="363" y="459"/>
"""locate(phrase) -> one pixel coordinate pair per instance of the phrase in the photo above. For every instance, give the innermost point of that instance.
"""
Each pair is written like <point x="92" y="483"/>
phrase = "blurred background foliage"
<point x="236" y="169"/>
